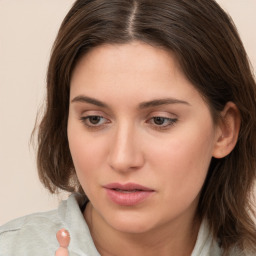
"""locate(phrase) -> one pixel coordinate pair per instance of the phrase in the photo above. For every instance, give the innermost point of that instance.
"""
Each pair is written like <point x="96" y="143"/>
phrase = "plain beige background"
<point x="27" y="31"/>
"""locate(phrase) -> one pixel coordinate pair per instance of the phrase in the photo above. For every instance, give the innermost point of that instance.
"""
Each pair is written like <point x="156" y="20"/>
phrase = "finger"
<point x="62" y="252"/>
<point x="63" y="238"/>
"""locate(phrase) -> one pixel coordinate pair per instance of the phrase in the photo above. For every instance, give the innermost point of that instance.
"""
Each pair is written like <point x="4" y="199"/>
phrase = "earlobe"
<point x="227" y="130"/>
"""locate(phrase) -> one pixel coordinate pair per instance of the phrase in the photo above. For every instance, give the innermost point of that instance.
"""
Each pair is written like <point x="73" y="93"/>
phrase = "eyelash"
<point x="85" y="119"/>
<point x="170" y="122"/>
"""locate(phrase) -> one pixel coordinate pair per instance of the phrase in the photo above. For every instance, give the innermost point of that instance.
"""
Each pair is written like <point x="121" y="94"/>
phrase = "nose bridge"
<point x="125" y="153"/>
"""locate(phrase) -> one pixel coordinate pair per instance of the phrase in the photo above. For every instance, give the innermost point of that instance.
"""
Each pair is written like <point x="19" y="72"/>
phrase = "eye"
<point x="94" y="121"/>
<point x="160" y="122"/>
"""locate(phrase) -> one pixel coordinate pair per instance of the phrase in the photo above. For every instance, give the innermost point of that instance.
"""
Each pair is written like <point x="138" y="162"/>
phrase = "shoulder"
<point x="235" y="251"/>
<point x="35" y="234"/>
<point x="29" y="233"/>
<point x="207" y="245"/>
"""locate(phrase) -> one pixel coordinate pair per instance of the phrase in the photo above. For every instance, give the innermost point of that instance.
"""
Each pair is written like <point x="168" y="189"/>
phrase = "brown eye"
<point x="159" y="120"/>
<point x="94" y="119"/>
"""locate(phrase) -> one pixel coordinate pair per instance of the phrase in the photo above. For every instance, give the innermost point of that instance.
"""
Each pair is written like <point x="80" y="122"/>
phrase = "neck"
<point x="166" y="240"/>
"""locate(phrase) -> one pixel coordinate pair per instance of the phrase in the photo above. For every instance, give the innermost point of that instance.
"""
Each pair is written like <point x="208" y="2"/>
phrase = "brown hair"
<point x="212" y="56"/>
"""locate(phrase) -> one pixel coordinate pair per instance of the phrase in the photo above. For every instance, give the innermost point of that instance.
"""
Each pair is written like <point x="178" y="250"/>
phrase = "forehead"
<point x="134" y="56"/>
<point x="128" y="70"/>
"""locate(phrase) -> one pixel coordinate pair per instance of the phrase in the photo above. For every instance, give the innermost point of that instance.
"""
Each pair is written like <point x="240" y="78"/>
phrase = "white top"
<point x="35" y="235"/>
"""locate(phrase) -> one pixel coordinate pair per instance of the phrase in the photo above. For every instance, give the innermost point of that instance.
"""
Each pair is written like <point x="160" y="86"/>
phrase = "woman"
<point x="151" y="124"/>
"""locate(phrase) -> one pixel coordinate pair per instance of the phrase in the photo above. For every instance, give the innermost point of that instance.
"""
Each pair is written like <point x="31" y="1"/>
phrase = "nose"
<point x="125" y="153"/>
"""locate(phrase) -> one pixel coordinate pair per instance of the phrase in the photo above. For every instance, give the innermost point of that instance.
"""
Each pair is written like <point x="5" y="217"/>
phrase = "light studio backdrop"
<point x="27" y="31"/>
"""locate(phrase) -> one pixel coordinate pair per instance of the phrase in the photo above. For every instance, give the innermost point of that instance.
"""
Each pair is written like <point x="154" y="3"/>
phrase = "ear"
<point x="227" y="130"/>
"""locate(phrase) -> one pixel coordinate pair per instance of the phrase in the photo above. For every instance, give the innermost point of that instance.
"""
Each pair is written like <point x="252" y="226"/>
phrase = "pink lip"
<point x="127" y="194"/>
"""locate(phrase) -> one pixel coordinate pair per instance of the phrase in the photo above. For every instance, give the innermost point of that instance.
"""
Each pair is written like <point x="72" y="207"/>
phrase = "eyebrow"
<point x="85" y="99"/>
<point x="159" y="102"/>
<point x="143" y="105"/>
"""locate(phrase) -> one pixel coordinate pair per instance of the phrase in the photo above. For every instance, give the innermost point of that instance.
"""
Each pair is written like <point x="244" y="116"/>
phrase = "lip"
<point x="128" y="194"/>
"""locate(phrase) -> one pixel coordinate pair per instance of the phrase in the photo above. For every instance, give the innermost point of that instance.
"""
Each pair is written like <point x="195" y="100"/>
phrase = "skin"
<point x="126" y="143"/>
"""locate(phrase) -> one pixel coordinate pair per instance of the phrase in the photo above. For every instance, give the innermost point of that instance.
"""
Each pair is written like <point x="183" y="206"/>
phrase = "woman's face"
<point x="140" y="135"/>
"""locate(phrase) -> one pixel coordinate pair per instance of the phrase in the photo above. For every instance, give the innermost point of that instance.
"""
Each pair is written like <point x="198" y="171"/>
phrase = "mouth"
<point x="129" y="194"/>
<point x="126" y="191"/>
<point x="127" y="187"/>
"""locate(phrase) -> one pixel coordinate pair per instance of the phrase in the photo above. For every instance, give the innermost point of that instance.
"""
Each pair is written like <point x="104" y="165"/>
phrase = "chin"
<point x="131" y="227"/>
<point x="130" y="222"/>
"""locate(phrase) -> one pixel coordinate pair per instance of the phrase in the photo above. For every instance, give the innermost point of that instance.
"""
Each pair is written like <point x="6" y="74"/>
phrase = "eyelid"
<point x="163" y="114"/>
<point x="95" y="112"/>
<point x="85" y="119"/>
<point x="171" y="120"/>
<point x="169" y="117"/>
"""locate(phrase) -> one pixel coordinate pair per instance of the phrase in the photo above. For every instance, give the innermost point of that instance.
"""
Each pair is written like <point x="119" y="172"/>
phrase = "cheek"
<point x="184" y="161"/>
<point x="86" y="162"/>
<point x="85" y="152"/>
